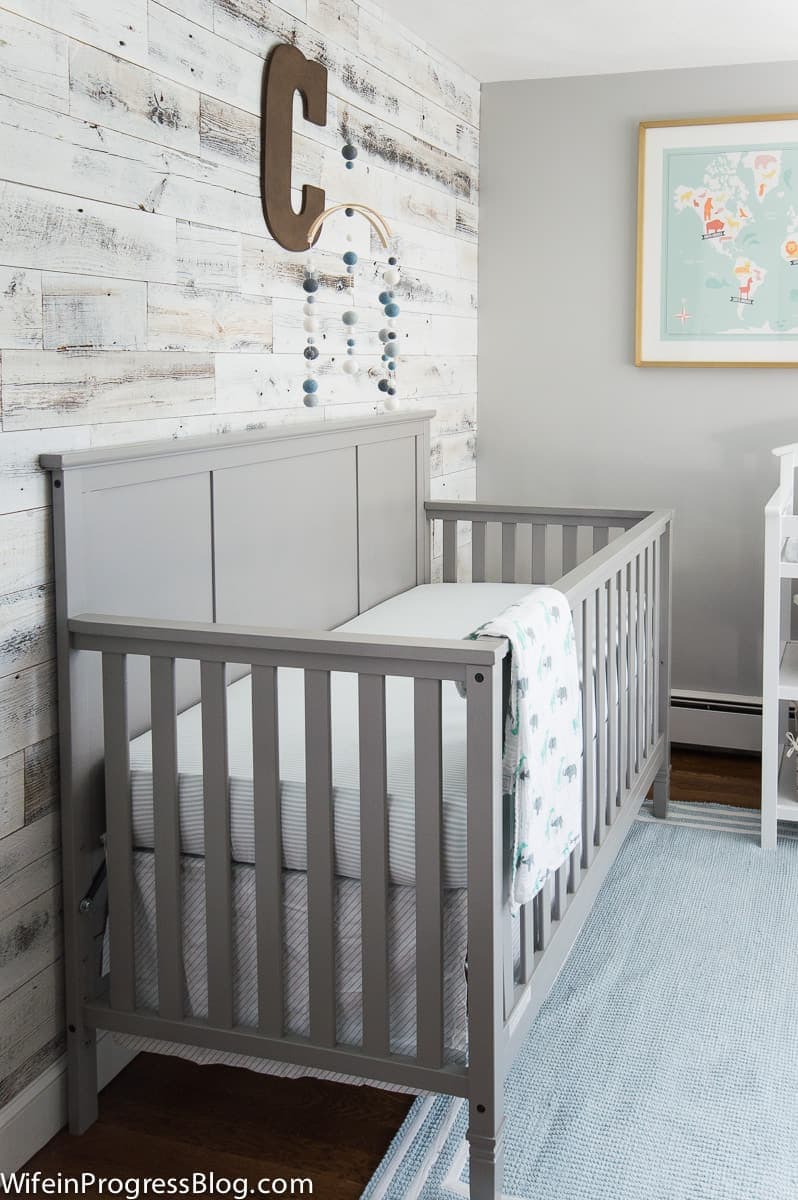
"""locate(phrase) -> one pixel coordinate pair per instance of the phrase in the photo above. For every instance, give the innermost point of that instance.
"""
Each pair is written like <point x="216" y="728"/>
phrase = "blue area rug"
<point x="664" y="1064"/>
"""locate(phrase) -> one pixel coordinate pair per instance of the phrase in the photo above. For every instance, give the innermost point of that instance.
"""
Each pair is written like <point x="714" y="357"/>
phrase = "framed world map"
<point x="717" y="242"/>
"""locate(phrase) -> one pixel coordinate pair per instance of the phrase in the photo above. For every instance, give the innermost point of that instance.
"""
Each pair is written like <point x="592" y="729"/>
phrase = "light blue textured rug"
<point x="664" y="1064"/>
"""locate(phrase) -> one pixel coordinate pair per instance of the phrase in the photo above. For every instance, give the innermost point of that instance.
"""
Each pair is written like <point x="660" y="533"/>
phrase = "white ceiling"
<point x="530" y="39"/>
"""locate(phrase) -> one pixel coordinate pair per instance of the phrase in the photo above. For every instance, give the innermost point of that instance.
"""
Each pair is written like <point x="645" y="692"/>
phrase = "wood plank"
<point x="320" y="858"/>
<point x="30" y="940"/>
<point x="191" y="318"/>
<point x="26" y="559"/>
<point x="34" y="879"/>
<point x="20" y="308"/>
<point x="82" y="312"/>
<point x="588" y="625"/>
<point x="20" y="849"/>
<point x="478" y="530"/>
<point x="27" y="708"/>
<point x="41" y="779"/>
<point x="208" y="257"/>
<point x="49" y="389"/>
<point x="118" y="25"/>
<point x="12" y="793"/>
<point x="218" y="853"/>
<point x="33" y="62"/>
<point x="27" y="633"/>
<point x="201" y="59"/>
<point x="508" y="551"/>
<point x="39" y="228"/>
<point x="268" y="849"/>
<point x="65" y="155"/>
<point x="452" y="452"/>
<point x="384" y="42"/>
<point x="118" y="95"/>
<point x="449" y="551"/>
<point x="374" y="863"/>
<point x="30" y="1018"/>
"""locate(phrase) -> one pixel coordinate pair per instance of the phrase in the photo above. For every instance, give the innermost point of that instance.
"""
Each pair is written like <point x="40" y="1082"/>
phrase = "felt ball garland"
<point x="386" y="373"/>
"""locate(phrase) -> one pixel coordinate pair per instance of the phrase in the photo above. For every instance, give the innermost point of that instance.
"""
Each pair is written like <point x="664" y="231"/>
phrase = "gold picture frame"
<point x="651" y="292"/>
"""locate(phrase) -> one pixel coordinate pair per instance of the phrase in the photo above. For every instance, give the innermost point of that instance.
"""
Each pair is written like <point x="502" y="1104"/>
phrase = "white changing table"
<point x="779" y="652"/>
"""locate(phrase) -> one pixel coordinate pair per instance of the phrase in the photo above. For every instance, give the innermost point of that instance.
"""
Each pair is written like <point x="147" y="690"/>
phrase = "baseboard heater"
<point x="717" y="721"/>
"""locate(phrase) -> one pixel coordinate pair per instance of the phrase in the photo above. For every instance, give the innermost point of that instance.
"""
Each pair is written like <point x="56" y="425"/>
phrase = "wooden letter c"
<point x="288" y="72"/>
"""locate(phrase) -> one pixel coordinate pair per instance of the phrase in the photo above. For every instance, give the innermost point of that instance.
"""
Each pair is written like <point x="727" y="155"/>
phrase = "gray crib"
<point x="207" y="559"/>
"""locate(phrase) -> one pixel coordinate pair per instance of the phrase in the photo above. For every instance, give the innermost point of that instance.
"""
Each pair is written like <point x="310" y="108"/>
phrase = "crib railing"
<point x="372" y="659"/>
<point x="615" y="573"/>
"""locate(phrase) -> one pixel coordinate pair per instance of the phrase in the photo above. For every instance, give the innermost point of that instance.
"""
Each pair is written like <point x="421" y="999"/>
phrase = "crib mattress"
<point x="445" y="610"/>
<point x="431" y="610"/>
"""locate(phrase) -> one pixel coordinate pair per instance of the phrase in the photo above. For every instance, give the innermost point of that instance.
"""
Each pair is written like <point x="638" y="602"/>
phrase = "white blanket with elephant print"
<point x="542" y="763"/>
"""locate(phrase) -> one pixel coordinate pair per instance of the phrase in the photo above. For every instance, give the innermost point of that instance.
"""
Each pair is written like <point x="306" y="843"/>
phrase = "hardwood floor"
<point x="166" y="1117"/>
<point x="715" y="777"/>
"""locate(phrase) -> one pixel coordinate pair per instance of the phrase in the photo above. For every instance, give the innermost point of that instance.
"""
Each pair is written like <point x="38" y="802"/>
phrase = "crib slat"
<point x="268" y="849"/>
<point x="538" y="554"/>
<point x="374" y="863"/>
<point x="478" y="551"/>
<point x="601" y="537"/>
<point x="650" y="646"/>
<point x="429" y="897"/>
<point x="167" y="838"/>
<point x="656" y="633"/>
<point x="450" y="551"/>
<point x="613" y="672"/>
<point x="527" y="933"/>
<point x="623" y="686"/>
<point x="633" y="675"/>
<point x="542" y="907"/>
<point x="570" y="535"/>
<point x="508" y="551"/>
<point x="641" y="659"/>
<point x="588" y="721"/>
<point x="119" y="842"/>
<point x="602" y="667"/>
<point x="218" y="853"/>
<point x="560" y="902"/>
<point x="320" y="848"/>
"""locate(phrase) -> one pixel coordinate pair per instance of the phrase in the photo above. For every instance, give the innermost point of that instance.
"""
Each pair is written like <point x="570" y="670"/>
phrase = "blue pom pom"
<point x="350" y="317"/>
<point x="391" y="391"/>
<point x="350" y="341"/>
<point x="392" y="310"/>
<point x="349" y="166"/>
<point x="392" y="262"/>
<point x="350" y="258"/>
<point x="383" y="385"/>
<point x="385" y="358"/>
<point x="391" y="366"/>
<point x="385" y="298"/>
<point x="349" y="212"/>
<point x="391" y="334"/>
<point x="349" y="151"/>
<point x="310" y="284"/>
<point x="310" y="386"/>
<point x="311" y="352"/>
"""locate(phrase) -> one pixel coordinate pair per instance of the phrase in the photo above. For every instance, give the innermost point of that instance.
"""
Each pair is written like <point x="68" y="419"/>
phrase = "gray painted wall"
<point x="565" y="418"/>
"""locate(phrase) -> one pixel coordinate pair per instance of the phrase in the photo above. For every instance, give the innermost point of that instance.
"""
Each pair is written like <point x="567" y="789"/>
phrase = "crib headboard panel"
<point x="299" y="526"/>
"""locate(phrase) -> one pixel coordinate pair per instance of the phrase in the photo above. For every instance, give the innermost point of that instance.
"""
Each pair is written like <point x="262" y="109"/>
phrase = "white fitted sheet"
<point x="431" y="610"/>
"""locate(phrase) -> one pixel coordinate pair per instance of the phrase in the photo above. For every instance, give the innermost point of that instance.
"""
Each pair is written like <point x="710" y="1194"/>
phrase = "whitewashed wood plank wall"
<point x="142" y="297"/>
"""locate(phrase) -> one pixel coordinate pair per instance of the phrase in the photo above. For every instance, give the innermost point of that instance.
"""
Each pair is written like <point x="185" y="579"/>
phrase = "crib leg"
<point x="81" y="1079"/>
<point x="486" y="1159"/>
<point x="662" y="790"/>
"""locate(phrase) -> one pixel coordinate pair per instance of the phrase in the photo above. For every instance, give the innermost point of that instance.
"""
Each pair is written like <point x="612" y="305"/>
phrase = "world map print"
<point x="730" y="244"/>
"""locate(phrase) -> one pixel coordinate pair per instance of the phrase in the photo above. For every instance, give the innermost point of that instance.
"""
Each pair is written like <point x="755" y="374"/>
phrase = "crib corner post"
<point x="487" y="899"/>
<point x="662" y="781"/>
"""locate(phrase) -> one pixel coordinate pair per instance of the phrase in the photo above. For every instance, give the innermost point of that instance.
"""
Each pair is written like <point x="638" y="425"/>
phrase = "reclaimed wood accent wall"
<point x="141" y="297"/>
